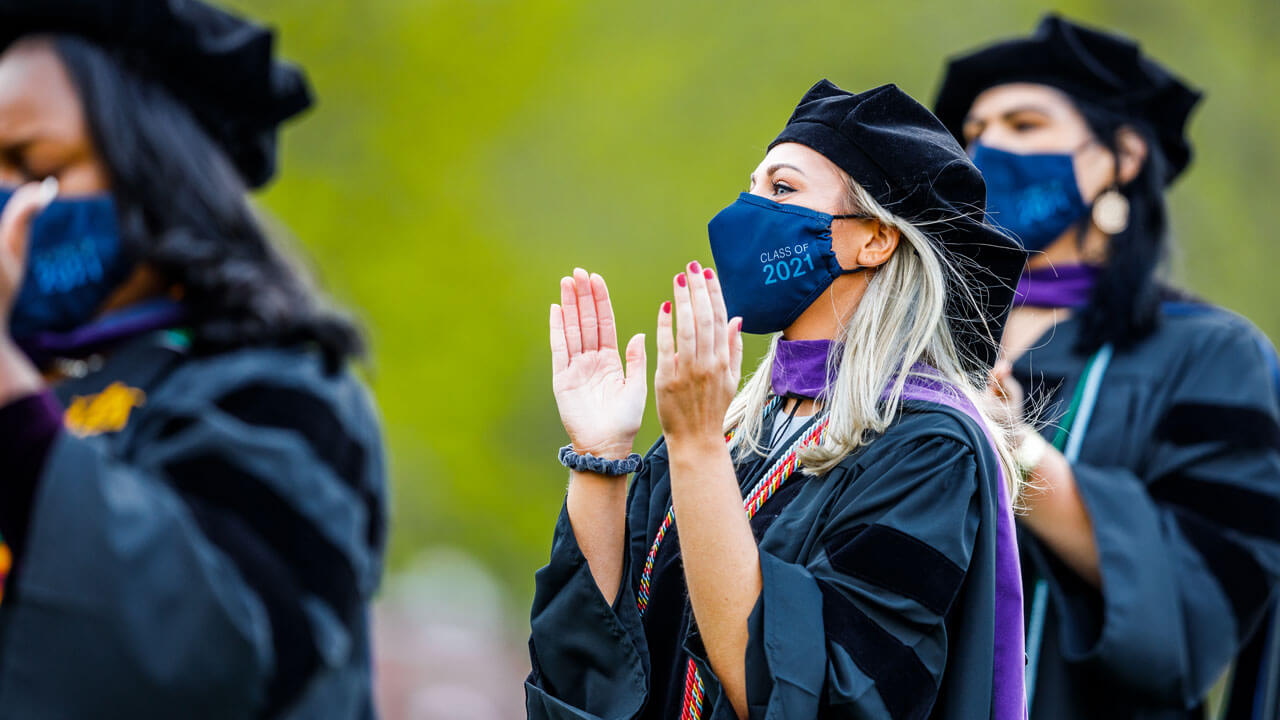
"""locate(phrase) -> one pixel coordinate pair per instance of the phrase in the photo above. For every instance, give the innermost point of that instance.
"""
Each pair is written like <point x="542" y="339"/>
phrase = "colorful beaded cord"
<point x="759" y="495"/>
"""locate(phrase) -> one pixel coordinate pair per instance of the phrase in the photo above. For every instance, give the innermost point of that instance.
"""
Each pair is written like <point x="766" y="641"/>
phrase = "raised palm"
<point x="600" y="405"/>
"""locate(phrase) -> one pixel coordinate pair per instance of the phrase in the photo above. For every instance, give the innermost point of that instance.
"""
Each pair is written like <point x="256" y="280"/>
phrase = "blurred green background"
<point x="466" y="154"/>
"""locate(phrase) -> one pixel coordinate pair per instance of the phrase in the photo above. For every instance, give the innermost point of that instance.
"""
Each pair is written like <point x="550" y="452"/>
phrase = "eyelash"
<point x="782" y="185"/>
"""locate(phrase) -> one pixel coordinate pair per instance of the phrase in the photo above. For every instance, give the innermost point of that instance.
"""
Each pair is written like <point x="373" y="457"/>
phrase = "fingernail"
<point x="681" y="281"/>
<point x="666" y="307"/>
<point x="694" y="267"/>
<point x="48" y="190"/>
<point x="708" y="274"/>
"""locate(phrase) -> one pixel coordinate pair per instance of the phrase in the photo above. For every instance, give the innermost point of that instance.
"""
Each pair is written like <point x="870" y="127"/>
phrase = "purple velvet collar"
<point x="1007" y="684"/>
<point x="1068" y="286"/>
<point x="800" y="368"/>
<point x="104" y="332"/>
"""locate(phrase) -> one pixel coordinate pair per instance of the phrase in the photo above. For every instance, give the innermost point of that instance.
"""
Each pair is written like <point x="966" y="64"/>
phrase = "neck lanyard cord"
<point x="780" y="427"/>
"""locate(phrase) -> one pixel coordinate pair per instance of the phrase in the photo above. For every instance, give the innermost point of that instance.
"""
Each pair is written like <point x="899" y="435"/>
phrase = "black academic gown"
<point x="1180" y="473"/>
<point x="878" y="593"/>
<point x="212" y="559"/>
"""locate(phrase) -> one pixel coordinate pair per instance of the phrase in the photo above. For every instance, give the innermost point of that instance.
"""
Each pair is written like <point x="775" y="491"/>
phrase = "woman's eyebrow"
<point x="751" y="179"/>
<point x="1025" y="108"/>
<point x="778" y="166"/>
<point x="1005" y="115"/>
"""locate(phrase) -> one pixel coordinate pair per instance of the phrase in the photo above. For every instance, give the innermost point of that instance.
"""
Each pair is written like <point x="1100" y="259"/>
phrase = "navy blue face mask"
<point x="773" y="260"/>
<point x="1034" y="197"/>
<point x="74" y="262"/>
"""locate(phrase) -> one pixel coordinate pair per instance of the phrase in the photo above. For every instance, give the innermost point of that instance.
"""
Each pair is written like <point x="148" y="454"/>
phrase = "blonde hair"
<point x="899" y="330"/>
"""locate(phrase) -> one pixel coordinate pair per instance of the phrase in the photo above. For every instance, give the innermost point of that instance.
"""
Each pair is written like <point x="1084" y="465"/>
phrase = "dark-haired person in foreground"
<point x="1151" y="554"/>
<point x="193" y="487"/>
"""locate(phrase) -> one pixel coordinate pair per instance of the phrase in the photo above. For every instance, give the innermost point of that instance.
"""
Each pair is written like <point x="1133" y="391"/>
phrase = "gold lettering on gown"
<point x="106" y="412"/>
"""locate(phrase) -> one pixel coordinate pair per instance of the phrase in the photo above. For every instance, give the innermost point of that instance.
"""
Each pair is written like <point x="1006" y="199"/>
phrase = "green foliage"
<point x="467" y="153"/>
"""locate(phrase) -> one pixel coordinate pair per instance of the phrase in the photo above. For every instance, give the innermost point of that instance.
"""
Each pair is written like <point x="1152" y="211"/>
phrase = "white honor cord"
<point x="1075" y="439"/>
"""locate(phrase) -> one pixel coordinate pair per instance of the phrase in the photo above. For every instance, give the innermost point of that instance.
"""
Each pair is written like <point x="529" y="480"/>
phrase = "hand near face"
<point x="600" y="405"/>
<point x="699" y="358"/>
<point x="15" y="231"/>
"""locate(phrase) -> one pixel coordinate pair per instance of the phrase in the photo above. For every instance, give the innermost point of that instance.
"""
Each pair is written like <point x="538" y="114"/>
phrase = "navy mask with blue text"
<point x="74" y="262"/>
<point x="1034" y="197"/>
<point x="773" y="260"/>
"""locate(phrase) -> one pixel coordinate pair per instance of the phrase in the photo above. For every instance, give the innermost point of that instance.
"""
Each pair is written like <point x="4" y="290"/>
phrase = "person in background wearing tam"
<point x="1151" y="546"/>
<point x="874" y="572"/>
<point x="193" y="491"/>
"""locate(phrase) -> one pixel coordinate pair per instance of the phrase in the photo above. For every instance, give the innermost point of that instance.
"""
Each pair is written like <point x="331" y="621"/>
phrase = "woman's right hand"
<point x="600" y="405"/>
<point x="1004" y="396"/>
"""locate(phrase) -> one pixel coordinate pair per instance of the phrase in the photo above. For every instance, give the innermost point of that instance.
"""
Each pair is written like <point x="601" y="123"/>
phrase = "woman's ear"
<point x="1131" y="154"/>
<point x="879" y="245"/>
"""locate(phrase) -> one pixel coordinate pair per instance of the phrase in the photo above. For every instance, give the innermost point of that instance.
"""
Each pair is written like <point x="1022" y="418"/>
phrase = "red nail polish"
<point x="708" y="274"/>
<point x="681" y="281"/>
<point x="694" y="267"/>
<point x="666" y="307"/>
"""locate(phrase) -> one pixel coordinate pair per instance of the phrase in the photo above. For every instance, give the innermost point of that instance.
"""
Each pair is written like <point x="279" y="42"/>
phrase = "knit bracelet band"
<point x="586" y="462"/>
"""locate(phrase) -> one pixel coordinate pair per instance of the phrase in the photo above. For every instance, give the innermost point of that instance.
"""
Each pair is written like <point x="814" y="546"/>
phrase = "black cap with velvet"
<point x="221" y="66"/>
<point x="1100" y="68"/>
<point x="902" y="155"/>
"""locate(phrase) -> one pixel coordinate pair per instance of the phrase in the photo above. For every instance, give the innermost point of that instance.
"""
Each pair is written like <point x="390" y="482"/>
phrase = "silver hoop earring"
<point x="1111" y="212"/>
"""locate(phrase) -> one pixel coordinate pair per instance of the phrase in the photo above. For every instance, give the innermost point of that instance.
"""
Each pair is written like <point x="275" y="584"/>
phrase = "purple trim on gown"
<point x="105" y="332"/>
<point x="1007" y="684"/>
<point x="1069" y="286"/>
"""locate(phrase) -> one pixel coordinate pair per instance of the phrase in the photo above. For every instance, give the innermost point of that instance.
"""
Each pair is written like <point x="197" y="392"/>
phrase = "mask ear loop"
<point x="783" y="424"/>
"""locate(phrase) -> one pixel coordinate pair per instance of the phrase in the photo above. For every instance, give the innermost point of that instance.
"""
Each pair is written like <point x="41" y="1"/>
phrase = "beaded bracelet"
<point x="586" y="462"/>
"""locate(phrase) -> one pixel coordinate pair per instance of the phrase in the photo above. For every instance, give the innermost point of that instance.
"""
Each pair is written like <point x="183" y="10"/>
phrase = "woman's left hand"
<point x="695" y="385"/>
